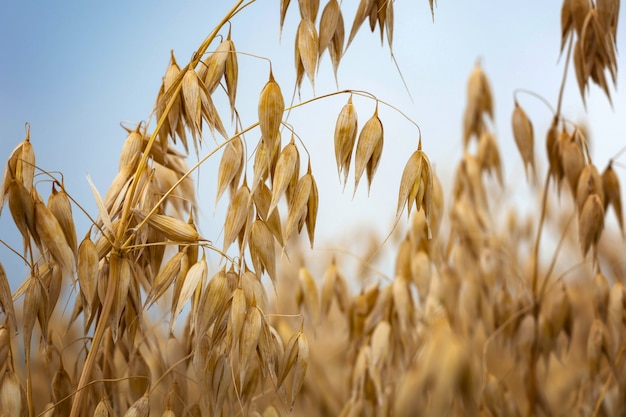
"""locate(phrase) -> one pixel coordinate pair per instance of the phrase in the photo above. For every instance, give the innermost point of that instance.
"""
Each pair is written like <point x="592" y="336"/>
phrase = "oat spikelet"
<point x="262" y="197"/>
<point x="524" y="137"/>
<point x="174" y="229"/>
<point x="335" y="49"/>
<point x="309" y="9"/>
<point x="236" y="215"/>
<point x="613" y="194"/>
<point x="164" y="279"/>
<point x="22" y="208"/>
<point x="307" y="45"/>
<point x="589" y="182"/>
<point x="300" y="367"/>
<point x="590" y="223"/>
<point x="299" y="206"/>
<point x="6" y="300"/>
<point x="11" y="394"/>
<point x="193" y="281"/>
<point x="140" y="408"/>
<point x="261" y="244"/>
<point x="287" y="168"/>
<point x="214" y="67"/>
<point x="231" y="167"/>
<point x="231" y="74"/>
<point x="309" y="293"/>
<point x="87" y="271"/>
<point x="249" y="338"/>
<point x="133" y="146"/>
<point x="53" y="238"/>
<point x="271" y="108"/>
<point x="60" y="207"/>
<point x="369" y="149"/>
<point x="572" y="160"/>
<point x="363" y="11"/>
<point x="312" y="206"/>
<point x="345" y="137"/>
<point x="284" y="4"/>
<point x="328" y="24"/>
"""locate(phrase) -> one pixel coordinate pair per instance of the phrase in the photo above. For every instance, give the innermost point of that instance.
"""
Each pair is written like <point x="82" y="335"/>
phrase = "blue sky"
<point x="75" y="70"/>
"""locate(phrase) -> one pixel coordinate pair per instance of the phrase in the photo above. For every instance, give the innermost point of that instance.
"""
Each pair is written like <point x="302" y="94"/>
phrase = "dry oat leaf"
<point x="590" y="223"/>
<point x="613" y="194"/>
<point x="52" y="238"/>
<point x="307" y="44"/>
<point x="363" y="11"/>
<point x="328" y="25"/>
<point x="369" y="149"/>
<point x="287" y="167"/>
<point x="589" y="182"/>
<point x="432" y="11"/>
<point x="310" y="294"/>
<point x="193" y="281"/>
<point x="59" y="205"/>
<point x="236" y="215"/>
<point x="172" y="228"/>
<point x="524" y="137"/>
<point x="231" y="167"/>
<point x="262" y="197"/>
<point x="298" y="208"/>
<point x="345" y="136"/>
<point x="271" y="108"/>
<point x="6" y="300"/>
<point x="232" y="74"/>
<point x="103" y="213"/>
<point x="261" y="245"/>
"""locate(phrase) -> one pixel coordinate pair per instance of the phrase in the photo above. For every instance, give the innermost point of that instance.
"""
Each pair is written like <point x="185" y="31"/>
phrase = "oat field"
<point x="485" y="314"/>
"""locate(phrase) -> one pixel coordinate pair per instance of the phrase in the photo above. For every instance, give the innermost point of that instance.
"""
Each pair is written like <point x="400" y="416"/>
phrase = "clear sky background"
<point x="75" y="70"/>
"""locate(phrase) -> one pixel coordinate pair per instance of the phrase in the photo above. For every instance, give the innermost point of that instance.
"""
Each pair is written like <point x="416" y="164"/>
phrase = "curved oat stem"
<point x="536" y="95"/>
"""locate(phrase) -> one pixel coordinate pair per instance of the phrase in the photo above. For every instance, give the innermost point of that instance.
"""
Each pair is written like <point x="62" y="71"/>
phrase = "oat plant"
<point x="477" y="318"/>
